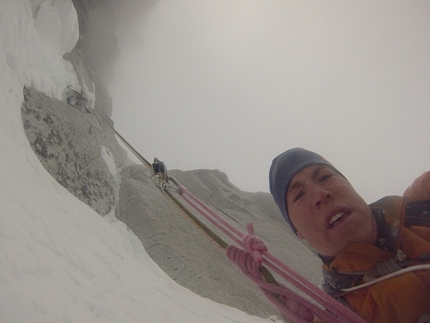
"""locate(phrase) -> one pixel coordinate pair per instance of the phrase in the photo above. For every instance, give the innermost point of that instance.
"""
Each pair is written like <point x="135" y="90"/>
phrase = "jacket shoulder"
<point x="420" y="188"/>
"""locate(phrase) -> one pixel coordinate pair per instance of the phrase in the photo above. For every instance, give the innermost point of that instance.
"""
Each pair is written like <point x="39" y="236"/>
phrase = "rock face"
<point x="79" y="149"/>
<point x="76" y="148"/>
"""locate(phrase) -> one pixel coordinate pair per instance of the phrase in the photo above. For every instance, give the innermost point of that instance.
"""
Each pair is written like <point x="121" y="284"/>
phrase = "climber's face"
<point x="327" y="211"/>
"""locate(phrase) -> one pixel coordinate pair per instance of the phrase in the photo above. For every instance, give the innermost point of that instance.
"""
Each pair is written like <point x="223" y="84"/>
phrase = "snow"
<point x="59" y="260"/>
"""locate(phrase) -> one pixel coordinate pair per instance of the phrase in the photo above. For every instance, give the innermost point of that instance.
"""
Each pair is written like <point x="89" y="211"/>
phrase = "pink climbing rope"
<point x="255" y="254"/>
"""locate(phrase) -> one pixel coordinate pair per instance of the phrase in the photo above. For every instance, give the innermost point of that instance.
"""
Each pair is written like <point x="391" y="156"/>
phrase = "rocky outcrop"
<point x="76" y="148"/>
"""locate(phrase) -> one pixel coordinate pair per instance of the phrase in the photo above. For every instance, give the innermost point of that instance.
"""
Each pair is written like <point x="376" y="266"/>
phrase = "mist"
<point x="230" y="84"/>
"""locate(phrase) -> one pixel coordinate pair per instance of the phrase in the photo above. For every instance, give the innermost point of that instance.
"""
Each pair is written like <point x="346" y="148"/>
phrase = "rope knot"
<point x="244" y="260"/>
<point x="253" y="245"/>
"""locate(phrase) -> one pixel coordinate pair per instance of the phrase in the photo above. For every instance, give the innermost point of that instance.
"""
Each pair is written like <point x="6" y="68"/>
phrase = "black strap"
<point x="418" y="213"/>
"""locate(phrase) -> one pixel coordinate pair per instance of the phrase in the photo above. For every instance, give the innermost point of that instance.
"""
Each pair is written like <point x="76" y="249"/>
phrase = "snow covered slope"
<point x="59" y="260"/>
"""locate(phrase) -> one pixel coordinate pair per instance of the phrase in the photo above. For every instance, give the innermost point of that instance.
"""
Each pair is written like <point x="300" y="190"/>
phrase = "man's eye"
<point x="325" y="177"/>
<point x="298" y="196"/>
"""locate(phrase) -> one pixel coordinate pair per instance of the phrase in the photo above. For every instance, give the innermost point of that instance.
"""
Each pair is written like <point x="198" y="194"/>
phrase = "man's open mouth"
<point x="335" y="218"/>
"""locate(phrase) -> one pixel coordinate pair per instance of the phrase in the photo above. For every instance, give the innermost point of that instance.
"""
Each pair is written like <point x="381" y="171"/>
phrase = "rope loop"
<point x="282" y="298"/>
<point x="253" y="245"/>
<point x="244" y="260"/>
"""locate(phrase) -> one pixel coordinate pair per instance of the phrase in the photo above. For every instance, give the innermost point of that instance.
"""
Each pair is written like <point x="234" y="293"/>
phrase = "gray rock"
<point x="70" y="144"/>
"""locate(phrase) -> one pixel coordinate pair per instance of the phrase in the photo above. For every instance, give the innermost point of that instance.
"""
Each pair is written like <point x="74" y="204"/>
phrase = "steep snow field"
<point x="59" y="260"/>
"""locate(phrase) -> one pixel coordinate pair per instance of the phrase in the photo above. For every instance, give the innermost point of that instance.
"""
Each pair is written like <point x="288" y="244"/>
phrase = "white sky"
<point x="59" y="260"/>
<point x="229" y="84"/>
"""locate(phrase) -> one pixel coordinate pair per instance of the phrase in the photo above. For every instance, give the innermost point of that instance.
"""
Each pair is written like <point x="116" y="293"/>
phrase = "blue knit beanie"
<point x="283" y="169"/>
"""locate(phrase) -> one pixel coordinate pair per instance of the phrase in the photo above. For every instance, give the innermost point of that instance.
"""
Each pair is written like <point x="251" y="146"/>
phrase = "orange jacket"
<point x="404" y="298"/>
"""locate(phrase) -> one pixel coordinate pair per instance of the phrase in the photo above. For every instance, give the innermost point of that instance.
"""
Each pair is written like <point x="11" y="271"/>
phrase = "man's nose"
<point x="321" y="196"/>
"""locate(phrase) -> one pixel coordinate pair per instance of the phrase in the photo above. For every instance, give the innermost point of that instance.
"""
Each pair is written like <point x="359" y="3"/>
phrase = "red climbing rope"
<point x="250" y="260"/>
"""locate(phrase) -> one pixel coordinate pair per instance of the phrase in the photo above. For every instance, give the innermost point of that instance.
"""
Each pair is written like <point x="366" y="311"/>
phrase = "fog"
<point x="229" y="84"/>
